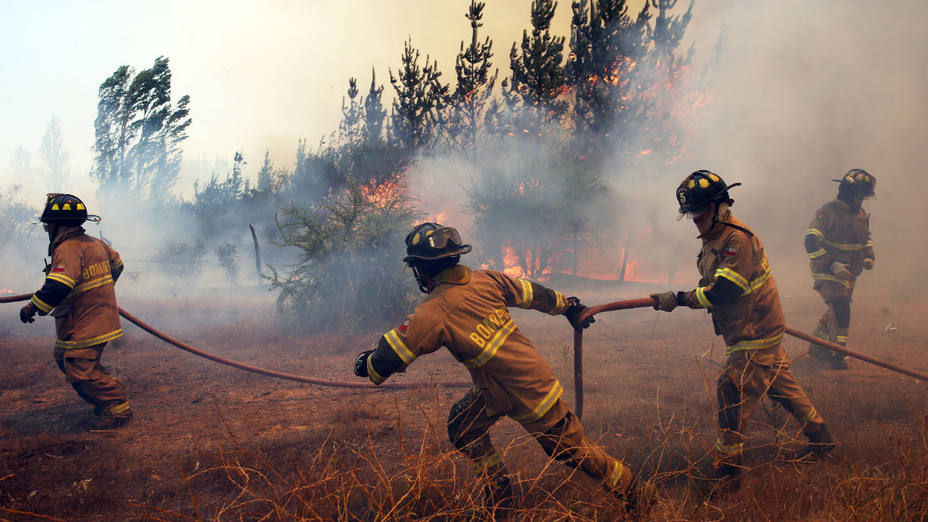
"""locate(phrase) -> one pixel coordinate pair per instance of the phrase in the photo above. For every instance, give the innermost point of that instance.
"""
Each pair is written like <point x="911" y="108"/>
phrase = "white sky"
<point x="260" y="75"/>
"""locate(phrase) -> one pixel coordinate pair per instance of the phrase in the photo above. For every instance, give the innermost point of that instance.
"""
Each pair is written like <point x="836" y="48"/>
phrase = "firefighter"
<point x="79" y="293"/>
<point x="839" y="247"/>
<point x="738" y="290"/>
<point x="466" y="311"/>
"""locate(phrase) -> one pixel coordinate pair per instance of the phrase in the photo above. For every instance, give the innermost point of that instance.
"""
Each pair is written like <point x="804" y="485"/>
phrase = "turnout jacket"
<point x="79" y="290"/>
<point x="838" y="232"/>
<point x="466" y="312"/>
<point x="737" y="288"/>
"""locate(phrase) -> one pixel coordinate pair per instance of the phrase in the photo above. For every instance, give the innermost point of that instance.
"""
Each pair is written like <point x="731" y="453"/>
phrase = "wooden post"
<point x="254" y="237"/>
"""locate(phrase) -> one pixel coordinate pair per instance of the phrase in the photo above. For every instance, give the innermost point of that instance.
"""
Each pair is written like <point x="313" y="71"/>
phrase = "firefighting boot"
<point x="497" y="497"/>
<point x="820" y="441"/>
<point x="839" y="360"/>
<point x="824" y="330"/>
<point x="717" y="473"/>
<point x="113" y="417"/>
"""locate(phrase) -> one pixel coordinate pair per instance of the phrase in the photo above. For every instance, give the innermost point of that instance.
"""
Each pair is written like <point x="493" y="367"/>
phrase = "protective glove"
<point x="841" y="270"/>
<point x="360" y="364"/>
<point x="574" y="310"/>
<point x="665" y="301"/>
<point x="27" y="313"/>
<point x="868" y="264"/>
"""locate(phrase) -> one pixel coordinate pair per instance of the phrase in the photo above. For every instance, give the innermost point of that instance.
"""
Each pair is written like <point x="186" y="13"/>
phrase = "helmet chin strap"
<point x="424" y="281"/>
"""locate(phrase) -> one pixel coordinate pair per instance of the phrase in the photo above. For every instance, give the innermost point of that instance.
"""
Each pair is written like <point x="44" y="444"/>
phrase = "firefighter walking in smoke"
<point x="466" y="312"/>
<point x="839" y="246"/>
<point x="737" y="288"/>
<point x="79" y="292"/>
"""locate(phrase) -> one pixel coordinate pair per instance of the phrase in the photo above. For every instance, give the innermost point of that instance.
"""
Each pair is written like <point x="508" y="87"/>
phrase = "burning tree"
<point x="351" y="247"/>
<point x="529" y="205"/>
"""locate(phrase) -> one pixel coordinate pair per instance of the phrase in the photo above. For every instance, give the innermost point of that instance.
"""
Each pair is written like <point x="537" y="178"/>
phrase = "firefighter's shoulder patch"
<point x="730" y="251"/>
<point x="402" y="328"/>
<point x="820" y="216"/>
<point x="58" y="268"/>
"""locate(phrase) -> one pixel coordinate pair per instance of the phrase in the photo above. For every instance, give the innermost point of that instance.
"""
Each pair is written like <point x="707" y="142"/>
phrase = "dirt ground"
<point x="214" y="443"/>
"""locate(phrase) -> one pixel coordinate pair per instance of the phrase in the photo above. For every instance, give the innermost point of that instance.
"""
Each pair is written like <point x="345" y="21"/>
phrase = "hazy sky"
<point x="260" y="74"/>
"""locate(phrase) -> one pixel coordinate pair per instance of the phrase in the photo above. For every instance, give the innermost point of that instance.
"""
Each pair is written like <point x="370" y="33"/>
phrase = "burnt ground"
<point x="214" y="443"/>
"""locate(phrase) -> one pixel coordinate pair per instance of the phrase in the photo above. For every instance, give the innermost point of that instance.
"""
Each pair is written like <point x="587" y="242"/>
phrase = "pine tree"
<point x="538" y="73"/>
<point x="472" y="99"/>
<point x="350" y="128"/>
<point x="606" y="47"/>
<point x="374" y="113"/>
<point x="420" y="98"/>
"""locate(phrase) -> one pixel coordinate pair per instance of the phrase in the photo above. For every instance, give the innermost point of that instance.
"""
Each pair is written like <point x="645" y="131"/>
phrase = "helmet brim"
<point x="463" y="250"/>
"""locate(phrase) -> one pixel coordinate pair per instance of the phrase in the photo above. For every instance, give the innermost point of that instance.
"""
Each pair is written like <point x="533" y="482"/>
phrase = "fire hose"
<point x="242" y="366"/>
<point x="648" y="301"/>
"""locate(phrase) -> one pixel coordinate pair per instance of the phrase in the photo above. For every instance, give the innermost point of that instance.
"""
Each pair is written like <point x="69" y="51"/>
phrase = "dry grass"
<point x="385" y="470"/>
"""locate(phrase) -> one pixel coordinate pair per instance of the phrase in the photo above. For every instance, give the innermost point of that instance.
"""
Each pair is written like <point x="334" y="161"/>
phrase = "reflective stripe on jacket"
<point x="754" y="320"/>
<point x="467" y="312"/>
<point x="88" y="315"/>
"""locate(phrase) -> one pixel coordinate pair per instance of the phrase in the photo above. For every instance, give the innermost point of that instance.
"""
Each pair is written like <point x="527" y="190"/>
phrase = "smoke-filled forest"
<point x="555" y="152"/>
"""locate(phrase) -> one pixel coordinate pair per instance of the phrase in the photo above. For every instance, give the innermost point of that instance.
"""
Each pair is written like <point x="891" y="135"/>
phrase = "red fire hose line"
<point x="242" y="366"/>
<point x="647" y="301"/>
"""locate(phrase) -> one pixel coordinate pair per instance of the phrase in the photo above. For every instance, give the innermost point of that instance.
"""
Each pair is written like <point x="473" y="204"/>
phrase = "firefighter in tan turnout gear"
<point x="737" y="288"/>
<point x="839" y="246"/>
<point x="79" y="293"/>
<point x="466" y="312"/>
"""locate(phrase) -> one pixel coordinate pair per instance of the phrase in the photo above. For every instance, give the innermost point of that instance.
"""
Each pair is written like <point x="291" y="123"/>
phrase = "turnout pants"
<point x="749" y="375"/>
<point x="559" y="432"/>
<point x="92" y="382"/>
<point x="834" y="324"/>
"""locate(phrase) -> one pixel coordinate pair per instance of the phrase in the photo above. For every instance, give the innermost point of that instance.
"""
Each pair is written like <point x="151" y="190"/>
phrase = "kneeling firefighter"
<point x="79" y="292"/>
<point x="466" y="312"/>
<point x="738" y="289"/>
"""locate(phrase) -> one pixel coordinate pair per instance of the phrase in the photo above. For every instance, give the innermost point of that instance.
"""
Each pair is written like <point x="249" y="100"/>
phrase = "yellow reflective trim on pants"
<point x="544" y="406"/>
<point x="734" y="277"/>
<point x="818" y="253"/>
<point x="84" y="343"/>
<point x="754" y="344"/>
<point x="484" y="463"/>
<point x="402" y="351"/>
<point x="528" y="295"/>
<point x="847" y="247"/>
<point x="829" y="277"/>
<point x="618" y="470"/>
<point x="372" y="374"/>
<point x="492" y="346"/>
<point x="729" y="449"/>
<point x="40" y="304"/>
<point x="120" y="408"/>
<point x="811" y="416"/>
<point x="63" y="279"/>
<point x="841" y="339"/>
<point x="815" y="232"/>
<point x="701" y="297"/>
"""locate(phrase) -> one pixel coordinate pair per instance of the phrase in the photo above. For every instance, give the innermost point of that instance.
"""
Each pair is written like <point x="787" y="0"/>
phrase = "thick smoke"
<point x="800" y="94"/>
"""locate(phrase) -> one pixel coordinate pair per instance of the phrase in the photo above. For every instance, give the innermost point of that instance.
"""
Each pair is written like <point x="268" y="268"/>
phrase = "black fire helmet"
<point x="700" y="189"/>
<point x="431" y="241"/>
<point x="858" y="181"/>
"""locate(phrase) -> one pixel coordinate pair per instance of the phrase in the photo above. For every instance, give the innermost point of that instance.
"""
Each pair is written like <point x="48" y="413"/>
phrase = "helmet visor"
<point x="441" y="238"/>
